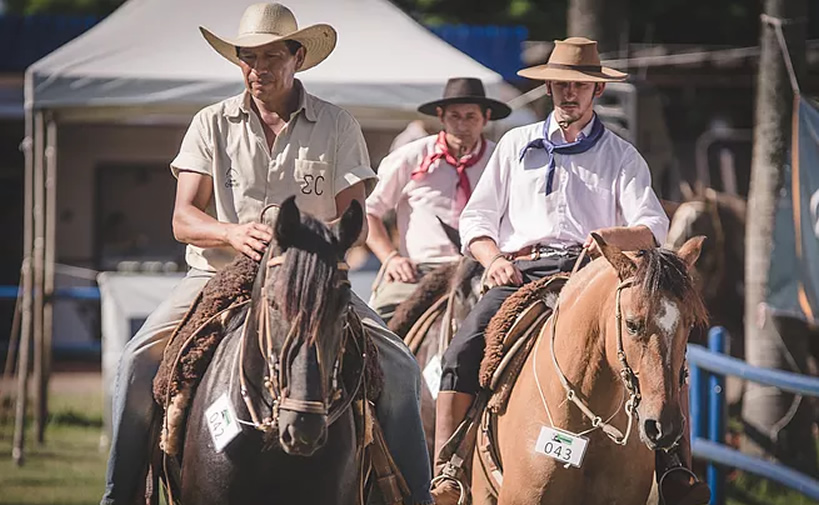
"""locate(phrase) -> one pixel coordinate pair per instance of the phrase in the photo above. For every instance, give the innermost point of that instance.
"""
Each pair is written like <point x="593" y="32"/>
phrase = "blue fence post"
<point x="716" y="418"/>
<point x="698" y="408"/>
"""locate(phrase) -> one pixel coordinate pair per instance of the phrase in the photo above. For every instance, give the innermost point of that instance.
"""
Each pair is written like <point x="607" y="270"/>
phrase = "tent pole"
<point x="25" y="325"/>
<point x="50" y="245"/>
<point x="39" y="231"/>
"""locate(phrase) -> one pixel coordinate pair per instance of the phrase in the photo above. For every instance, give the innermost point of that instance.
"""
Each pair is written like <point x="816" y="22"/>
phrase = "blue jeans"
<point x="133" y="408"/>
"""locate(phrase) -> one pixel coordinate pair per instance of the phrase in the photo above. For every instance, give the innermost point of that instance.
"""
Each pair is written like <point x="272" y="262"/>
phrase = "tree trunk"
<point x="605" y="21"/>
<point x="773" y="423"/>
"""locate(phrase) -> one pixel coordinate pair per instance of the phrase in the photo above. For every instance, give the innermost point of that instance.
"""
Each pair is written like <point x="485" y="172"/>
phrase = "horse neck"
<point x="581" y="345"/>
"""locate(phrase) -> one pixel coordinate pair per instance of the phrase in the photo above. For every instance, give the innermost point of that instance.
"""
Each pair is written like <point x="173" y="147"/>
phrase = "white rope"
<point x="537" y="379"/>
<point x="783" y="45"/>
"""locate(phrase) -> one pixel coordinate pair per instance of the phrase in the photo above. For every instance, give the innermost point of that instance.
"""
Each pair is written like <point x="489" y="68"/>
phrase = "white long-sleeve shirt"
<point x="608" y="185"/>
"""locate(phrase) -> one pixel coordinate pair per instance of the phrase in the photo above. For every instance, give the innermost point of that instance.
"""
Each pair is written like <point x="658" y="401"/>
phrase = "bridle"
<point x="334" y="402"/>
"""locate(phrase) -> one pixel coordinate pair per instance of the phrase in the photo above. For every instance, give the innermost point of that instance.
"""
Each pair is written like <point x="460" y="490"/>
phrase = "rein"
<point x="629" y="379"/>
<point x="275" y="380"/>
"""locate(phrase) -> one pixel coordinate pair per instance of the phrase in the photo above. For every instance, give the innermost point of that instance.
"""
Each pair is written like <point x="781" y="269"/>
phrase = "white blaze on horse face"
<point x="668" y="317"/>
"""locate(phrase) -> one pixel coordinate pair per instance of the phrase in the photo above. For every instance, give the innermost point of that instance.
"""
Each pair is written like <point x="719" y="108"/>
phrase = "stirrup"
<point x="450" y="473"/>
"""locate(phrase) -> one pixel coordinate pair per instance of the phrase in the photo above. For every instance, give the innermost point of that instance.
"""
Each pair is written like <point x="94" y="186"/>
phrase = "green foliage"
<point x="89" y="7"/>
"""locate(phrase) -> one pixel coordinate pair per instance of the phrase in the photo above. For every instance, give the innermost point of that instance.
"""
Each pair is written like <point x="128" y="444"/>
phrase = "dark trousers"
<point x="462" y="359"/>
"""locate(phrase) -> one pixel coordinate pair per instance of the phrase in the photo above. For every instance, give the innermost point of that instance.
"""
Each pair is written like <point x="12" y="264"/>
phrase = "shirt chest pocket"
<point x="314" y="188"/>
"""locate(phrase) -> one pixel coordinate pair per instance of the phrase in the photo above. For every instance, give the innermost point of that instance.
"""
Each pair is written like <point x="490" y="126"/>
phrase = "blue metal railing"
<point x="67" y="293"/>
<point x="708" y="370"/>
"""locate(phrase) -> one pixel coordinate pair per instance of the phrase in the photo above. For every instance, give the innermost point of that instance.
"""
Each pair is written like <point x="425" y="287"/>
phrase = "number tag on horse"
<point x="561" y="445"/>
<point x="432" y="376"/>
<point x="222" y="422"/>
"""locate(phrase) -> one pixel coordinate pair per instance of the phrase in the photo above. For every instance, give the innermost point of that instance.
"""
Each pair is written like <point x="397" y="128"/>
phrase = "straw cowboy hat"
<point x="466" y="90"/>
<point x="573" y="59"/>
<point x="264" y="23"/>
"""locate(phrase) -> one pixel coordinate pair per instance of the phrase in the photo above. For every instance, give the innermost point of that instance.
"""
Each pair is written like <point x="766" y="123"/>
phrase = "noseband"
<point x="278" y="364"/>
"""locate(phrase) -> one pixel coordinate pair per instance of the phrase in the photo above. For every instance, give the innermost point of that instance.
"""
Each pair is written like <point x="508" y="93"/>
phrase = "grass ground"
<point x="69" y="469"/>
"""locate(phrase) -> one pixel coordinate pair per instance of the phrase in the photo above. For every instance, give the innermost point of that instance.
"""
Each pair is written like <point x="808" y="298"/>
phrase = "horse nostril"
<point x="287" y="436"/>
<point x="653" y="429"/>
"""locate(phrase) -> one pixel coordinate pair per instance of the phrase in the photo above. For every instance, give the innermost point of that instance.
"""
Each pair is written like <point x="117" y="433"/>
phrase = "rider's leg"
<point x="459" y="380"/>
<point x="399" y="407"/>
<point x="133" y="406"/>
<point x="678" y="486"/>
<point x="388" y="295"/>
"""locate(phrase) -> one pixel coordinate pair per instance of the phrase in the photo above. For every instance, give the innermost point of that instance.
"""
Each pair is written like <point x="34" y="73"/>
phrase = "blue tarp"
<point x="793" y="281"/>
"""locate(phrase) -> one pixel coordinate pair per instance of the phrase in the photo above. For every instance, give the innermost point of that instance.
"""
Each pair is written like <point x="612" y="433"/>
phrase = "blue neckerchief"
<point x="576" y="147"/>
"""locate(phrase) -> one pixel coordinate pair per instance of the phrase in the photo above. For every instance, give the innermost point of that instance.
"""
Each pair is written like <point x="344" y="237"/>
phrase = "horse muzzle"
<point x="302" y="434"/>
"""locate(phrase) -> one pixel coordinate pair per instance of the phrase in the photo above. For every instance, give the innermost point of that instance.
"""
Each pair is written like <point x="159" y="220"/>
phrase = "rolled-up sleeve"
<point x="638" y="202"/>
<point x="393" y="176"/>
<point x="352" y="158"/>
<point x="483" y="212"/>
<point x="196" y="151"/>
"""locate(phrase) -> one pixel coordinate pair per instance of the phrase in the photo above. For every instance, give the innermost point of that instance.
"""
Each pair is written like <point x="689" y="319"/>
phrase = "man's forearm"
<point x="484" y="249"/>
<point x="194" y="227"/>
<point x="378" y="240"/>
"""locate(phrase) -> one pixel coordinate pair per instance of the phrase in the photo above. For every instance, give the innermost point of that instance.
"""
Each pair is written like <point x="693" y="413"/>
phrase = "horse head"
<point x="310" y="293"/>
<point x="655" y="305"/>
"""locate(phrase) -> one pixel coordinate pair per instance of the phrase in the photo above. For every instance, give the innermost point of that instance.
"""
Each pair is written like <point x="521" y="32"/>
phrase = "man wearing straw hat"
<point x="426" y="180"/>
<point x="578" y="178"/>
<point x="240" y="155"/>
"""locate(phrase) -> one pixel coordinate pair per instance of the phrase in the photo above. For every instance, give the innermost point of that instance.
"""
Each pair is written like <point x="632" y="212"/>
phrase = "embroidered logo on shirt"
<point x="230" y="178"/>
<point x="312" y="184"/>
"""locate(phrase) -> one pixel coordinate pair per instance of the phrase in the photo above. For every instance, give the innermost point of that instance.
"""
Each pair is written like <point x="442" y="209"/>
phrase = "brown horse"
<point x="617" y="342"/>
<point x="429" y="318"/>
<point x="720" y="271"/>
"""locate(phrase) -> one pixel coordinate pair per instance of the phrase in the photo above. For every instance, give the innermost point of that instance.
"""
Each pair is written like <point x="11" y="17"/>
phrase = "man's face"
<point x="464" y="121"/>
<point x="573" y="100"/>
<point x="269" y="69"/>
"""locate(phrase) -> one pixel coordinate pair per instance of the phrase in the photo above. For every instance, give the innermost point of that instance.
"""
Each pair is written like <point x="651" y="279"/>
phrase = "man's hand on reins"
<point x="400" y="269"/>
<point x="499" y="270"/>
<point x="250" y="239"/>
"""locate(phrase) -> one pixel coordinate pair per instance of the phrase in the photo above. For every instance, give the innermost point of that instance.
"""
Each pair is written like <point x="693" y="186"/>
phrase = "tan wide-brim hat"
<point x="264" y="23"/>
<point x="574" y="59"/>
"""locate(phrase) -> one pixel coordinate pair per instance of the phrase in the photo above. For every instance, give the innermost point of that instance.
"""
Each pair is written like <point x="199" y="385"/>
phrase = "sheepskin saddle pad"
<point x="512" y="332"/>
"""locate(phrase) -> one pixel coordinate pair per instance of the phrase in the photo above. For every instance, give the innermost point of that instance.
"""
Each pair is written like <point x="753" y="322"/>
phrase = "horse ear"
<point x="451" y="233"/>
<point x="687" y="191"/>
<point x="288" y="223"/>
<point x="690" y="250"/>
<point x="349" y="227"/>
<point x="624" y="266"/>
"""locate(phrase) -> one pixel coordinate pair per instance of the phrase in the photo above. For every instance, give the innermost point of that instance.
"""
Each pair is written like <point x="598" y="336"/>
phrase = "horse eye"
<point x="633" y="327"/>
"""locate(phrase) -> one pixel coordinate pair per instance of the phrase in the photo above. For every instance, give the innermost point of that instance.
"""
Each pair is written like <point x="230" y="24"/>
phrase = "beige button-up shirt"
<point x="319" y="153"/>
<point x="418" y="202"/>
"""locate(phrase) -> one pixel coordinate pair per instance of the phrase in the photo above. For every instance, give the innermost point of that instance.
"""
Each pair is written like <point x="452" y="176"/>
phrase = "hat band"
<point x="582" y="68"/>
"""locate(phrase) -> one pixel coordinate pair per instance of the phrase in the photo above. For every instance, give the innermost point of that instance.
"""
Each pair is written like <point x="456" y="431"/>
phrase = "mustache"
<point x="563" y="104"/>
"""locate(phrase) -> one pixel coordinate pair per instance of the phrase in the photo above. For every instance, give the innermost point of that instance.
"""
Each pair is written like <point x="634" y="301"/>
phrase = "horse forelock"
<point x="303" y="289"/>
<point x="662" y="275"/>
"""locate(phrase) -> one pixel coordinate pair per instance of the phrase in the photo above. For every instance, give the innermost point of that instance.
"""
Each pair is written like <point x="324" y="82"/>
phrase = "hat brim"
<point x="547" y="73"/>
<point x="499" y="109"/>
<point x="318" y="41"/>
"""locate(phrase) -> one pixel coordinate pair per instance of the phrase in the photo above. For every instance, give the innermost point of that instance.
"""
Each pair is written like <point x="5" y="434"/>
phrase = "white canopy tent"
<point x="148" y="64"/>
<point x="149" y="55"/>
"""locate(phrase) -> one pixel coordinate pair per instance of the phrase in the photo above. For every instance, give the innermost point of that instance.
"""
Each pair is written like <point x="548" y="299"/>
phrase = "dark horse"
<point x="284" y="379"/>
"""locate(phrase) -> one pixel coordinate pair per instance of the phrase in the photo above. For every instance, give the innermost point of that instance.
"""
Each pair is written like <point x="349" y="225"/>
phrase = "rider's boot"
<point x="451" y="408"/>
<point x="677" y="483"/>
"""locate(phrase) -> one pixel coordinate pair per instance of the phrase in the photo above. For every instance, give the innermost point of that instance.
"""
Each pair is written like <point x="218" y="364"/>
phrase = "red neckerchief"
<point x="464" y="188"/>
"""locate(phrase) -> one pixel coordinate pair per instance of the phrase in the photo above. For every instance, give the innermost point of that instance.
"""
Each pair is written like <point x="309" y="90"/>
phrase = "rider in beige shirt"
<point x="256" y="149"/>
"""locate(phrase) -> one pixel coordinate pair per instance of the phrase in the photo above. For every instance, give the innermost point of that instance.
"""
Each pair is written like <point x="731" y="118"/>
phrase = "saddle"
<point x="195" y="340"/>
<point x="510" y="336"/>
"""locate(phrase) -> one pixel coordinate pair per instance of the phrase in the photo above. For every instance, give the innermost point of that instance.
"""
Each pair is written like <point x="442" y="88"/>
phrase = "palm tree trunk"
<point x="776" y="424"/>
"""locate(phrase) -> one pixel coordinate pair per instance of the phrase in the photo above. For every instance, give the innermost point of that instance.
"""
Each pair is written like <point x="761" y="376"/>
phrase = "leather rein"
<point x="334" y="402"/>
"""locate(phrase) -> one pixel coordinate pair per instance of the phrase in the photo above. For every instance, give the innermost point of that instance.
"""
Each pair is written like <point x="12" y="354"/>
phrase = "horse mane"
<point x="303" y="290"/>
<point x="660" y="271"/>
<point x="431" y="287"/>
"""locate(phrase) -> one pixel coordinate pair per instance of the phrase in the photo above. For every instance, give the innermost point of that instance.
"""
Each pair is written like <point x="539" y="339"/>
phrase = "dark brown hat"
<point x="466" y="90"/>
